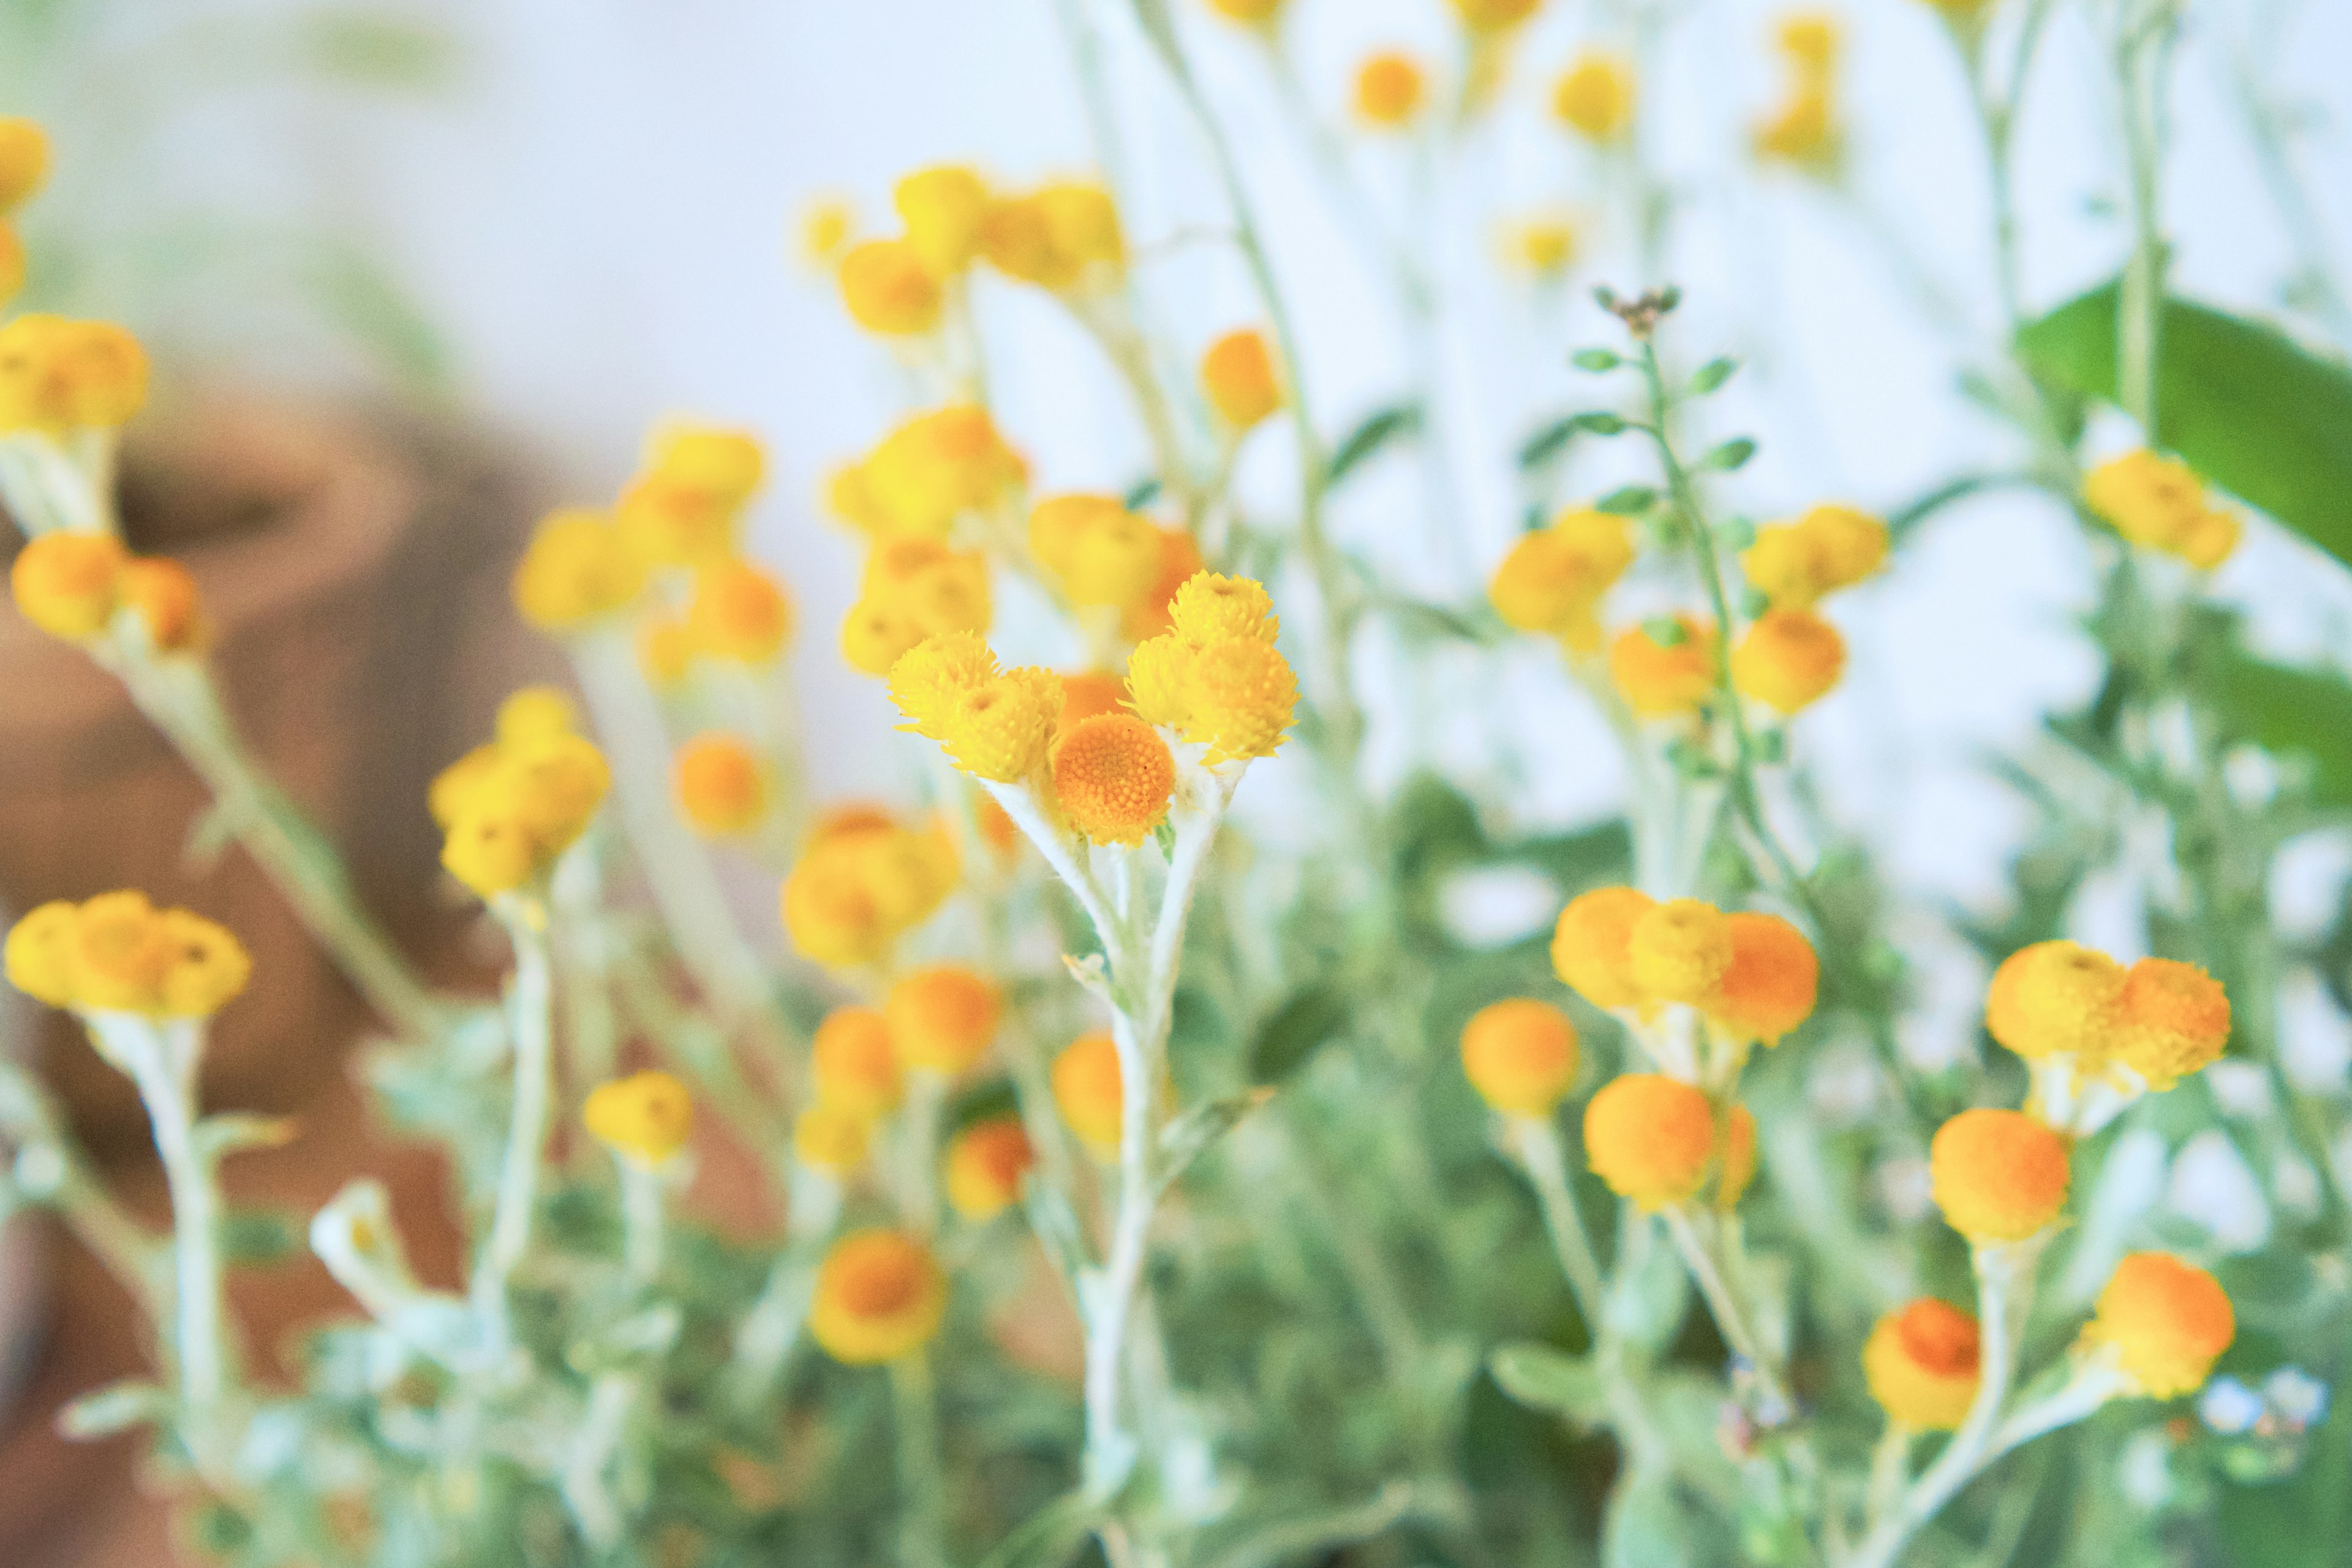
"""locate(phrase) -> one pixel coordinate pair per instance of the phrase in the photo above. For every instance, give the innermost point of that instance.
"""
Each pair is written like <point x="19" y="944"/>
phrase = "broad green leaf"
<point x="2304" y="713"/>
<point x="2243" y="403"/>
<point x="1365" y="441"/>
<point x="1646" y="1527"/>
<point x="1295" y="1031"/>
<point x="1547" y="1379"/>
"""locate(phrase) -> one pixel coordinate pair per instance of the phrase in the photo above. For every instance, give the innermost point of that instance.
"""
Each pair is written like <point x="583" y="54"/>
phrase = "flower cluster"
<point x="508" y="809"/>
<point x="864" y="879"/>
<point x="119" y="953"/>
<point x="2160" y="503"/>
<point x="74" y="584"/>
<point x="24" y="164"/>
<point x="1804" y="131"/>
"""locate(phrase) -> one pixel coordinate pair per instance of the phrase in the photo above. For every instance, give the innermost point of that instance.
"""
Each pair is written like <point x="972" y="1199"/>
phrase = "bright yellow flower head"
<point x="915" y="590"/>
<point x="576" y="571"/>
<point x="861" y="882"/>
<point x="23" y="161"/>
<point x="169" y="606"/>
<point x="888" y="289"/>
<point x="535" y="713"/>
<point x="2158" y="503"/>
<point x="855" y="1064"/>
<point x="58" y="374"/>
<point x="985" y="1165"/>
<point x="1922" y="1364"/>
<point x="2168" y="1320"/>
<point x="1113" y="777"/>
<point x="932" y="679"/>
<point x="1591" y="949"/>
<point x="1088" y="1090"/>
<point x="728" y="465"/>
<point x="739" y="613"/>
<point x="1251" y="11"/>
<point x="1999" y="1175"/>
<point x="1495" y="16"/>
<point x="1238" y="377"/>
<point x="937" y="467"/>
<point x="942" y="208"/>
<point x="490" y="854"/>
<point x="1239" y="697"/>
<point x="1065" y="237"/>
<point x="209" y="966"/>
<point x="879" y="1297"/>
<point x="1553" y="579"/>
<point x="1392" y="89"/>
<point x="1652" y="1139"/>
<point x="1001" y="730"/>
<point x="2175" y="1020"/>
<point x="119" y="953"/>
<point x="68" y="583"/>
<point x="1769" y="987"/>
<point x="1520" y="1056"/>
<point x="1789" y="661"/>
<point x="943" y="1018"/>
<point x="508" y="813"/>
<point x="1680" y="950"/>
<point x="1539" y="245"/>
<point x="830" y="1138"/>
<point x="1595" y="97"/>
<point x="827" y="225"/>
<point x="645" y="1117"/>
<point x="2056" y="998"/>
<point x="1179" y="563"/>
<point x="1810" y="39"/>
<point x="722" y="785"/>
<point x="666" y="520"/>
<point x="1155" y="673"/>
<point x="1086" y="693"/>
<point x="1659" y="681"/>
<point x="1803" y="131"/>
<point x="1101" y="552"/>
<point x="39" y="954"/>
<point x="1794" y="564"/>
<point x="1210" y="609"/>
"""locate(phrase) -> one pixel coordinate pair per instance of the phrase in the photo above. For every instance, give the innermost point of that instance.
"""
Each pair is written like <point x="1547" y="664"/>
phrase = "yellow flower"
<point x="739" y="613"/>
<point x="1735" y="1158"/>
<point x="1803" y="131"/>
<point x="1789" y="661"/>
<point x="1089" y="1093"/>
<point x="23" y="161"/>
<point x="535" y="713"/>
<point x="2160" y="504"/>
<point x="1495" y="16"/>
<point x="1239" y="697"/>
<point x="932" y="679"/>
<point x="984" y="1167"/>
<point x="1810" y="39"/>
<point x="1065" y="237"/>
<point x="490" y="854"/>
<point x="12" y="263"/>
<point x="1520" y="1056"/>
<point x="645" y="1117"/>
<point x="727" y="465"/>
<point x="1794" y="564"/>
<point x="1553" y="579"/>
<point x="1210" y="607"/>
<point x="1922" y="1364"/>
<point x="209" y="966"/>
<point x="861" y="882"/>
<point x="2056" y="998"/>
<point x="2168" y="1320"/>
<point x="665" y="519"/>
<point x="1391" y="89"/>
<point x="1114" y="777"/>
<point x="1999" y="1176"/>
<point x="827" y="225"/>
<point x="1238" y="377"/>
<point x="1769" y="987"/>
<point x="888" y="289"/>
<point x="1594" y="96"/>
<point x="1001" y="730"/>
<point x="879" y="1297"/>
<point x="118" y="954"/>
<point x="510" y="813"/>
<point x="915" y="590"/>
<point x="1249" y="12"/>
<point x="830" y="1138"/>
<point x="2175" y="1020"/>
<point x="1659" y="681"/>
<point x="1099" y="552"/>
<point x="1179" y="563"/>
<point x="1088" y="693"/>
<point x="68" y="583"/>
<point x="1155" y="673"/>
<point x="942" y="208"/>
<point x="575" y="571"/>
<point x="722" y="785"/>
<point x="855" y="1064"/>
<point x="1680" y="950"/>
<point x="58" y="374"/>
<point x="665" y="648"/>
<point x="943" y="1019"/>
<point x="934" y="468"/>
<point x="1652" y="1139"/>
<point x="1541" y="244"/>
<point x="39" y="954"/>
<point x="1591" y="948"/>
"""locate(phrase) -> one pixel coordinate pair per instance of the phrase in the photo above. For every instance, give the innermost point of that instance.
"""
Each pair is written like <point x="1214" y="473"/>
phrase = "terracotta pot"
<point x="354" y="571"/>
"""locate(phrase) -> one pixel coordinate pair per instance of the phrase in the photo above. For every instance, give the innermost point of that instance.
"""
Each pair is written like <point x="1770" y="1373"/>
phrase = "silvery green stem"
<point x="922" y="1485"/>
<point x="531" y="1023"/>
<point x="49" y="1168"/>
<point x="2143" y="53"/>
<point x="641" y="1219"/>
<point x="1731" y="1316"/>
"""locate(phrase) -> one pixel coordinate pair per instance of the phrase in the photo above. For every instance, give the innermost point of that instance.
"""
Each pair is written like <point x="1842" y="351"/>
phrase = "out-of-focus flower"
<point x="880" y="1296"/>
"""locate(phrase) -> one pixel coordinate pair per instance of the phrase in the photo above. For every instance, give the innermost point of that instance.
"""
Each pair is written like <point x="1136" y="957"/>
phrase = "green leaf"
<point x="1544" y="1379"/>
<point x="2304" y="713"/>
<point x="1547" y="443"/>
<point x="1365" y="441"/>
<point x="2243" y="405"/>
<point x="1599" y="421"/>
<point x="256" y="1238"/>
<point x="1294" y="1031"/>
<point x="1646" y="1527"/>
<point x="1192" y="1134"/>
<point x="1143" y="492"/>
<point x="1711" y="376"/>
<point x="1628" y="501"/>
<point x="1597" y="360"/>
<point x="1732" y="455"/>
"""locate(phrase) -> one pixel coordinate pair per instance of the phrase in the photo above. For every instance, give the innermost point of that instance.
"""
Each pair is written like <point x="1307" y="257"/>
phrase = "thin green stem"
<point x="642" y="1219"/>
<point x="530" y="1022"/>
<point x="922" y="1480"/>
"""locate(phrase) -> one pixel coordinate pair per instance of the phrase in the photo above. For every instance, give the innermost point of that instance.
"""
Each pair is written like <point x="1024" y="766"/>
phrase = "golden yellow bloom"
<point x="827" y="225"/>
<point x="664" y="519"/>
<point x="1922" y="1364"/>
<point x="58" y="374"/>
<point x="1087" y="1091"/>
<point x="1155" y="678"/>
<point x="1680" y="950"/>
<point x="1065" y="237"/>
<point x="1179" y="563"/>
<point x="1999" y="1175"/>
<point x="2161" y="504"/>
<point x="1391" y="89"/>
<point x="1099" y="552"/>
<point x="2168" y="1320"/>
<point x="1520" y="1056"/>
<point x="855" y="1064"/>
<point x="721" y="784"/>
<point x="1594" y="96"/>
<point x="1803" y="131"/>
<point x="535" y="713"/>
<point x="1083" y="223"/>
<point x="984" y="1167"/>
<point x="1247" y="10"/>
<point x="2056" y="998"/>
<point x="1540" y="244"/>
<point x="1735" y="1158"/>
<point x="1238" y="377"/>
<point x="879" y="1297"/>
<point x="645" y="1117"/>
<point x="512" y="814"/>
<point x="1239" y="698"/>
<point x="1769" y="987"/>
<point x="1659" y="681"/>
<point x="1113" y="776"/>
<point x="39" y="954"/>
<point x="576" y="570"/>
<point x="209" y="966"/>
<point x="1652" y="1139"/>
<point x="931" y="679"/>
<point x="1794" y="564"/>
<point x="916" y="589"/>
<point x="830" y="1138"/>
<point x="863" y="880"/>
<point x="1003" y="729"/>
<point x="739" y="613"/>
<point x="1210" y="607"/>
<point x="1591" y="948"/>
<point x="1553" y="579"/>
<point x="1495" y="16"/>
<point x="23" y="161"/>
<point x="1789" y="661"/>
<point x="68" y="583"/>
<point x="727" y="465"/>
<point x="2174" y="1021"/>
<point x="1086" y="693"/>
<point x="118" y="954"/>
<point x="665" y="646"/>
<point x="942" y="208"/>
<point x="937" y="467"/>
<point x="888" y="289"/>
<point x="1810" y="39"/>
<point x="12" y="263"/>
<point x="943" y="1019"/>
